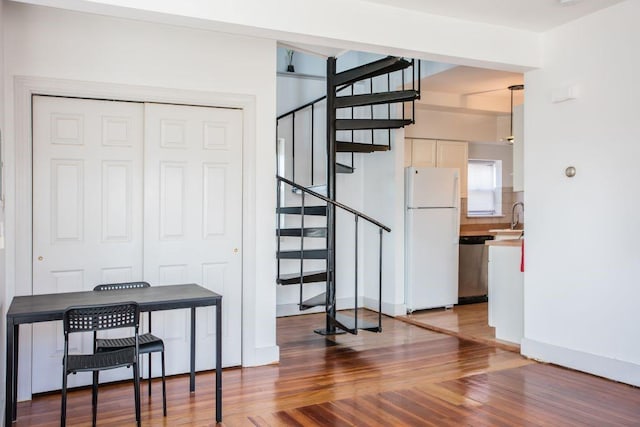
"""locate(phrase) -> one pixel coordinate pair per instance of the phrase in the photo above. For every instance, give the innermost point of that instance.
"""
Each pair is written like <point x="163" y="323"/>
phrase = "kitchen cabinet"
<point x="431" y="153"/>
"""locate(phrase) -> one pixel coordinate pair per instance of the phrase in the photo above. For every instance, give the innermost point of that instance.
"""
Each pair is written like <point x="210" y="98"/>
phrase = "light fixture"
<point x="511" y="138"/>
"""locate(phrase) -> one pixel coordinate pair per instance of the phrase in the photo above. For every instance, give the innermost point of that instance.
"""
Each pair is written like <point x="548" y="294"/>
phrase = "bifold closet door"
<point x="193" y="223"/>
<point x="87" y="213"/>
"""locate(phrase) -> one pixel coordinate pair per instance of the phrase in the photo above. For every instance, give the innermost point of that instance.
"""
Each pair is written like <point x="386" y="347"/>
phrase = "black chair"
<point x="149" y="343"/>
<point x="97" y="318"/>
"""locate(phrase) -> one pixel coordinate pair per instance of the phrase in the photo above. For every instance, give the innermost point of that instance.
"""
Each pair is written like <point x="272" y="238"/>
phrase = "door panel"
<point x="87" y="212"/>
<point x="91" y="164"/>
<point x="193" y="222"/>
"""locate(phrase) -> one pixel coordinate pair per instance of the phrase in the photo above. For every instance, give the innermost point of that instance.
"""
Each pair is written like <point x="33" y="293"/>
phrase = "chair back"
<point x="125" y="285"/>
<point x="101" y="317"/>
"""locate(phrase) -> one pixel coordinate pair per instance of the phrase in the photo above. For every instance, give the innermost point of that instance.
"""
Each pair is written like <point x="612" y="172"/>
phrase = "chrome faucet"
<point x="515" y="219"/>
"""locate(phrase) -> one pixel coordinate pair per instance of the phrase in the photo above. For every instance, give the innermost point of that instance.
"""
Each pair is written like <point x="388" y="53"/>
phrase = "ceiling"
<point x="532" y="15"/>
<point x="472" y="81"/>
<point x="471" y="89"/>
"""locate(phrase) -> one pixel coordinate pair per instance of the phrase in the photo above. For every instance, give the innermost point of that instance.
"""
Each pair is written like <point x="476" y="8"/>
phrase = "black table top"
<point x="42" y="308"/>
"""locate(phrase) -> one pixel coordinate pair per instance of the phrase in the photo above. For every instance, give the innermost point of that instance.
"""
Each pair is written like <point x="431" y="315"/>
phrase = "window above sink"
<point x="484" y="188"/>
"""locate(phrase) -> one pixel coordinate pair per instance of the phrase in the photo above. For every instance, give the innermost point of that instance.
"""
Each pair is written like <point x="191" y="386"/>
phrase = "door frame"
<point x="24" y="88"/>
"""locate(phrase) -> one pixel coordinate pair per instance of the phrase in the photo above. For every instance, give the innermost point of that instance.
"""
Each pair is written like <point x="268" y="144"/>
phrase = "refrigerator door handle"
<point x="456" y="228"/>
<point x="456" y="204"/>
<point x="456" y="192"/>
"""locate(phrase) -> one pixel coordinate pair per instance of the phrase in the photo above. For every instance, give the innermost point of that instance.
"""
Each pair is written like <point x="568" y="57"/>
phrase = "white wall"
<point x="384" y="185"/>
<point x="435" y="124"/>
<point x="73" y="46"/>
<point x="303" y="63"/>
<point x="3" y="296"/>
<point x="582" y="259"/>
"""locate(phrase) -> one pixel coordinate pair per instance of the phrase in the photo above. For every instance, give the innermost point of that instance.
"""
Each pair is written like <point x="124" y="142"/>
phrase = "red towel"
<point x="522" y="258"/>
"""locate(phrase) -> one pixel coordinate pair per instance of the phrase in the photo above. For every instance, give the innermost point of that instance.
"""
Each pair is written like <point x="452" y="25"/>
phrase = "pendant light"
<point x="511" y="138"/>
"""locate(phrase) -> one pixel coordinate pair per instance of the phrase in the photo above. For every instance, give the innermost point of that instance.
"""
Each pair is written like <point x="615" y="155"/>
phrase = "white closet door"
<point x="87" y="212"/>
<point x="193" y="223"/>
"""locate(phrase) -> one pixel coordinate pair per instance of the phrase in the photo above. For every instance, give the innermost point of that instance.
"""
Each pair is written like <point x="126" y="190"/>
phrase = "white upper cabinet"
<point x="442" y="154"/>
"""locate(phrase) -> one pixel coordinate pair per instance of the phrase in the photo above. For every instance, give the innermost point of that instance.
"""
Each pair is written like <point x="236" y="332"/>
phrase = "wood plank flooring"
<point x="405" y="376"/>
<point x="463" y="321"/>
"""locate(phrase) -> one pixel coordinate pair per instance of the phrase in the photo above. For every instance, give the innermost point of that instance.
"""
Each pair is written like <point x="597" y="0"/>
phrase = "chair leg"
<point x="94" y="397"/>
<point x="136" y="391"/>
<point x="164" y="387"/>
<point x="149" y="356"/>
<point x="63" y="411"/>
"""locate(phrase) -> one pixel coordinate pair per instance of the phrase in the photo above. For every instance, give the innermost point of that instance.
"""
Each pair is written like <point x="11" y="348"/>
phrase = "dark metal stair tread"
<point x="308" y="232"/>
<point x="372" y="69"/>
<point x="363" y="124"/>
<point x="356" y="147"/>
<point x="340" y="168"/>
<point x="308" y="210"/>
<point x="316" y="301"/>
<point x="376" y="98"/>
<point x="347" y="323"/>
<point x="308" y="277"/>
<point x="306" y="254"/>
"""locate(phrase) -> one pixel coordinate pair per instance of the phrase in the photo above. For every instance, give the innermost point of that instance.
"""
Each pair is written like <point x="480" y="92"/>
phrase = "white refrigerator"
<point x="432" y="226"/>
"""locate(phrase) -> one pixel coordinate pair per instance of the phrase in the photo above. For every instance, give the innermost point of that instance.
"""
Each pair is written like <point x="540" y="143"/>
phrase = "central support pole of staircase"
<point x="330" y="328"/>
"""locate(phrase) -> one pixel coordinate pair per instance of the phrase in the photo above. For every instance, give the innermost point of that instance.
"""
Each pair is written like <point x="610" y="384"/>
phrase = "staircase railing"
<point x="413" y="84"/>
<point x="357" y="216"/>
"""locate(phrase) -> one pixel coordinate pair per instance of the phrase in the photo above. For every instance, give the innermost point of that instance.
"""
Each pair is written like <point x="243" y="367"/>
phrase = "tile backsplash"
<point x="509" y="197"/>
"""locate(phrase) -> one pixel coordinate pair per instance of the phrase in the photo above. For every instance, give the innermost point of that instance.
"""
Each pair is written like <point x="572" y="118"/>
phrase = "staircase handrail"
<point x="308" y="104"/>
<point x="333" y="202"/>
<point x="302" y="107"/>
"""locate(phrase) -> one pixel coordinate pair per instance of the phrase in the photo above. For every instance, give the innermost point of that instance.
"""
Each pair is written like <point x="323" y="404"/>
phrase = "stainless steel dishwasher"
<point x="472" y="269"/>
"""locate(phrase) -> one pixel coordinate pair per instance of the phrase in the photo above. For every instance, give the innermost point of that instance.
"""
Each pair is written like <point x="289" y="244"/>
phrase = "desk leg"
<point x="11" y="381"/>
<point x="192" y="378"/>
<point x="219" y="361"/>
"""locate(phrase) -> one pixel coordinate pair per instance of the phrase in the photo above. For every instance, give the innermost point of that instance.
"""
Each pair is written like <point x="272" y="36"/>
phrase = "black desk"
<point x="44" y="308"/>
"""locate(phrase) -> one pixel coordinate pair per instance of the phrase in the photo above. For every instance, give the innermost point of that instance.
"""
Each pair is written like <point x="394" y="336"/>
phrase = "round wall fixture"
<point x="570" y="171"/>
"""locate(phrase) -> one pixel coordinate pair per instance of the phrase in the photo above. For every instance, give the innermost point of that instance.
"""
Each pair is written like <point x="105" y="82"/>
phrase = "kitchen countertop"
<point x="470" y="230"/>
<point x="516" y="243"/>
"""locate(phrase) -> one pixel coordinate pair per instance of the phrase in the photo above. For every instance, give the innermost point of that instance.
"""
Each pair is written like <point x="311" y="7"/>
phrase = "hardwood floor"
<point x="405" y="376"/>
<point x="462" y="321"/>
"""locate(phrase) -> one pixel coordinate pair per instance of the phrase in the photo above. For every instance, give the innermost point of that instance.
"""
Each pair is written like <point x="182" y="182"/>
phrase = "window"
<point x="484" y="188"/>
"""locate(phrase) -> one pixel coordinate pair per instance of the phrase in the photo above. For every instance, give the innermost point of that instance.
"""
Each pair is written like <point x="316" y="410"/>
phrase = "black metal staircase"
<point x="345" y="133"/>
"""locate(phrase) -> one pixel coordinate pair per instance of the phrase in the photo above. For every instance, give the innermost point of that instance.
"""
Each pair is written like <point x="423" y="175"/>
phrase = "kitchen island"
<point x="506" y="289"/>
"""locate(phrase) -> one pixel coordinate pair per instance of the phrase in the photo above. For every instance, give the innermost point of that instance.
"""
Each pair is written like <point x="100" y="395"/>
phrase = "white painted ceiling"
<point x="472" y="81"/>
<point x="471" y="89"/>
<point x="532" y="15"/>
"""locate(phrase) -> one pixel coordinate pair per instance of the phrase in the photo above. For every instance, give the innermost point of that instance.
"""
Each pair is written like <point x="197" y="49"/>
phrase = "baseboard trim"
<point x="262" y="356"/>
<point x="291" y="309"/>
<point x="387" y="308"/>
<point x="613" y="369"/>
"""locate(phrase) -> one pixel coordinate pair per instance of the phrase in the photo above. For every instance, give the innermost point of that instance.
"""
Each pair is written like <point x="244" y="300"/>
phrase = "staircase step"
<point x="307" y="277"/>
<point x="308" y="210"/>
<point x="318" y="300"/>
<point x="348" y="324"/>
<point x="306" y="232"/>
<point x="354" y="147"/>
<point x="340" y="168"/>
<point x="376" y="98"/>
<point x="361" y="124"/>
<point x="320" y="189"/>
<point x="373" y="69"/>
<point x="306" y="254"/>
